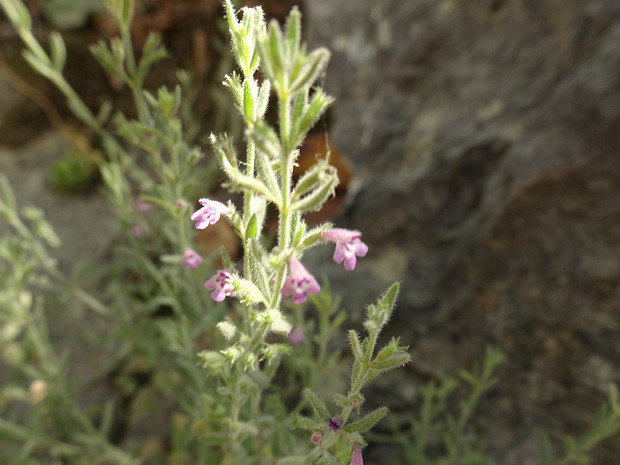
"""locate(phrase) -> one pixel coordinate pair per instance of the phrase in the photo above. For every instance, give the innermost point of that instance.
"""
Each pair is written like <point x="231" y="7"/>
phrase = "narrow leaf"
<point x="252" y="228"/>
<point x="248" y="102"/>
<point x="367" y="422"/>
<point x="310" y="71"/>
<point x="127" y="12"/>
<point x="317" y="197"/>
<point x="58" y="51"/>
<point x="266" y="139"/>
<point x="301" y="422"/>
<point x="393" y="361"/>
<point x="292" y="460"/>
<point x="317" y="405"/>
<point x="356" y="346"/>
<point x="293" y="31"/>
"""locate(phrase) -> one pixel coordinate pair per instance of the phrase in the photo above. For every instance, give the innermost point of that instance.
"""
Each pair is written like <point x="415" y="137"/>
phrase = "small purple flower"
<point x="334" y="423"/>
<point x="143" y="207"/>
<point x="221" y="286"/>
<point x="348" y="246"/>
<point x="356" y="458"/>
<point x="209" y="213"/>
<point x="191" y="259"/>
<point x="296" y="336"/>
<point x="299" y="282"/>
<point x="139" y="230"/>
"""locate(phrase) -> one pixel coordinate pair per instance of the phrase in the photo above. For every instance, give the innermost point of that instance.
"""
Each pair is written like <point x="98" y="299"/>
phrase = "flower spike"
<point x="209" y="213"/>
<point x="349" y="246"/>
<point x="299" y="282"/>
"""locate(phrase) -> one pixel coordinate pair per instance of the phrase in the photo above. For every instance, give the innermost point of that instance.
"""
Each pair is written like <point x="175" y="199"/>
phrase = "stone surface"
<point x="486" y="137"/>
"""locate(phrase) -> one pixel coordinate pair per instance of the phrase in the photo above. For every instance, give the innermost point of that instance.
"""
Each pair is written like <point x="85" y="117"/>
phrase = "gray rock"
<point x="485" y="137"/>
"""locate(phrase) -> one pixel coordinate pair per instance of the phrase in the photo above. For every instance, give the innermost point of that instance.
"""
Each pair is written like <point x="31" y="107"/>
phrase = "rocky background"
<point x="485" y="139"/>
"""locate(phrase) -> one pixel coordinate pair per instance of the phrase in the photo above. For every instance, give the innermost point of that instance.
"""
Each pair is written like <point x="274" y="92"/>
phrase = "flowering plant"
<point x="265" y="176"/>
<point x="234" y="409"/>
<point x="227" y="356"/>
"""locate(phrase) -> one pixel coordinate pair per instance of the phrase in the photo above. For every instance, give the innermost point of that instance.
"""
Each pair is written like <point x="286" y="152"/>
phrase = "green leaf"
<point x="323" y="190"/>
<point x="299" y="106"/>
<point x="276" y="321"/>
<point x="313" y="111"/>
<point x="40" y="226"/>
<point x="266" y="139"/>
<point x="378" y="315"/>
<point x="17" y="13"/>
<point x="267" y="173"/>
<point x="389" y="299"/>
<point x="272" y="59"/>
<point x="227" y="328"/>
<point x="273" y="352"/>
<point x="293" y="460"/>
<point x="366" y="423"/>
<point x="314" y="64"/>
<point x="393" y="361"/>
<point x="248" y="102"/>
<point x="252" y="228"/>
<point x="313" y="236"/>
<point x="327" y="459"/>
<point x="69" y="14"/>
<point x="262" y="100"/>
<point x="356" y="346"/>
<point x="107" y="417"/>
<point x="108" y="60"/>
<point x="357" y="375"/>
<point x="58" y="51"/>
<point x="310" y="180"/>
<point x="293" y="31"/>
<point x="233" y="83"/>
<point x="233" y="25"/>
<point x="317" y="405"/>
<point x="226" y="260"/>
<point x="300" y="422"/>
<point x="247" y="291"/>
<point x="105" y="110"/>
<point x="127" y="11"/>
<point x="152" y="52"/>
<point x="341" y="400"/>
<point x="43" y="68"/>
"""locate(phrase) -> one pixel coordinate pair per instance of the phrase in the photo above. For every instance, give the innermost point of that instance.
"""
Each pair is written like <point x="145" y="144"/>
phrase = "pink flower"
<point x="191" y="259"/>
<point x="296" y="336"/>
<point x="143" y="207"/>
<point x="221" y="286"/>
<point x="348" y="246"/>
<point x="138" y="230"/>
<point x="299" y="282"/>
<point x="356" y="458"/>
<point x="316" y="437"/>
<point x="209" y="213"/>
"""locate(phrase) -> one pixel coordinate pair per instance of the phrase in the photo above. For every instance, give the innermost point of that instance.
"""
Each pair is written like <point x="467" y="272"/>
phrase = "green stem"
<point x="135" y="81"/>
<point x="248" y="209"/>
<point x="286" y="175"/>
